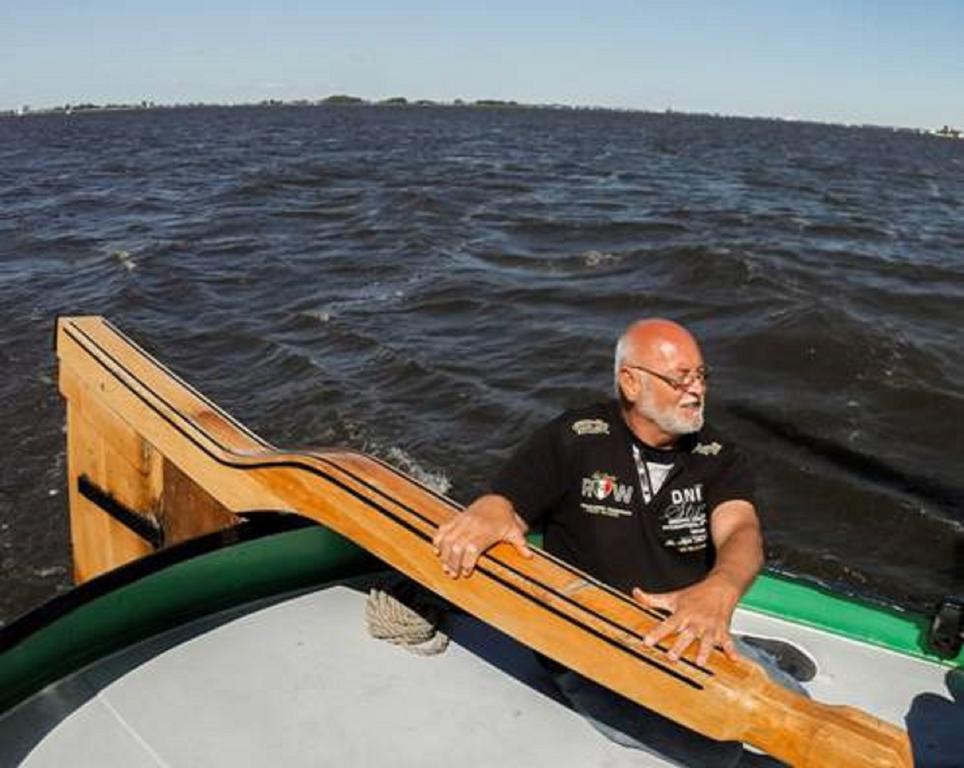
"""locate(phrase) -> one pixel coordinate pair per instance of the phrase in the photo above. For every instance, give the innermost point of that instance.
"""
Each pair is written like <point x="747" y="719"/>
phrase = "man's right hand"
<point x="486" y="521"/>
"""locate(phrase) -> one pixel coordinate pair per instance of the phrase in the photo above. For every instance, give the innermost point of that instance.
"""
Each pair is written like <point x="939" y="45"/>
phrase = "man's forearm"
<point x="739" y="558"/>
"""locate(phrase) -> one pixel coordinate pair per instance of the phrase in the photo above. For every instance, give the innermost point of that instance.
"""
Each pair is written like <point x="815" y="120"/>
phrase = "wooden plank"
<point x="99" y="543"/>
<point x="188" y="510"/>
<point x="542" y="602"/>
<point x="123" y="464"/>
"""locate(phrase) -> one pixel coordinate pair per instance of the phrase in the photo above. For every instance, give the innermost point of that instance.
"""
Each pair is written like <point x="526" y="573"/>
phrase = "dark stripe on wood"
<point x="135" y="522"/>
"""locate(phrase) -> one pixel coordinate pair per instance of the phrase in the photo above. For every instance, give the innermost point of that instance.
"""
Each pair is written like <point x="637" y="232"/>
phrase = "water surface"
<point x="429" y="284"/>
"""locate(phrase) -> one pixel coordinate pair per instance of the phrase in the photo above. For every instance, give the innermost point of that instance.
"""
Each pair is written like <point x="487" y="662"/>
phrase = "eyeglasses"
<point x="681" y="383"/>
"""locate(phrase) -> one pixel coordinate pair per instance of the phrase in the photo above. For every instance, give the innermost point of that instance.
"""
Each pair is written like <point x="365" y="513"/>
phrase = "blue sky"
<point x="887" y="63"/>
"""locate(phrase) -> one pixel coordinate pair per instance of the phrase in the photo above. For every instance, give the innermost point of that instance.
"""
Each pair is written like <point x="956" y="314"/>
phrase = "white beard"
<point x="673" y="421"/>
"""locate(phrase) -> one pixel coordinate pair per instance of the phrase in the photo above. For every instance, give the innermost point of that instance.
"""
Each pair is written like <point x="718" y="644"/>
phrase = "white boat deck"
<point x="299" y="682"/>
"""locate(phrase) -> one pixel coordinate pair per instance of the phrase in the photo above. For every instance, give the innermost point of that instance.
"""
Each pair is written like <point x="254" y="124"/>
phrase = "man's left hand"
<point x="698" y="614"/>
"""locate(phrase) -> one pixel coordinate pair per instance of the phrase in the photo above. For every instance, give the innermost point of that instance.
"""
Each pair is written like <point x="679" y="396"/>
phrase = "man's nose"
<point x="697" y="385"/>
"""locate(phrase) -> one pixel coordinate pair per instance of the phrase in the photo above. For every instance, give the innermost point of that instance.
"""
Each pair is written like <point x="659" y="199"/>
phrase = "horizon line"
<point x="348" y="100"/>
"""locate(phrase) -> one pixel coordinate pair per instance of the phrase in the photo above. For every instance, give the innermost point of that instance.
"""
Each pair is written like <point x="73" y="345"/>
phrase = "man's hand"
<point x="700" y="613"/>
<point x="488" y="520"/>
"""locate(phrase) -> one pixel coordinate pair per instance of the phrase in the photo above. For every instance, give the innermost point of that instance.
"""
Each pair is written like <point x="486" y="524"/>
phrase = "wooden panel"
<point x="188" y="510"/>
<point x="121" y="462"/>
<point x="542" y="602"/>
<point x="99" y="542"/>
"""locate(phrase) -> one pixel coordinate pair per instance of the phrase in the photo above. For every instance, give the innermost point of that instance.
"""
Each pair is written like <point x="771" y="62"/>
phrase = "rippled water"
<point x="428" y="284"/>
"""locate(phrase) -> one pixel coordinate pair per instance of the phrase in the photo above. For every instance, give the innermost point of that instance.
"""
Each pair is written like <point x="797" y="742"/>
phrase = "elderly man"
<point x="638" y="493"/>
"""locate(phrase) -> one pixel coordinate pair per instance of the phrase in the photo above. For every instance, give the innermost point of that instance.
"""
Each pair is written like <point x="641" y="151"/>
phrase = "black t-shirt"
<point x="609" y="506"/>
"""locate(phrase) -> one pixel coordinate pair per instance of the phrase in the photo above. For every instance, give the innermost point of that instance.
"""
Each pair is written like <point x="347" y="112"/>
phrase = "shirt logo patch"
<point x="602" y="485"/>
<point x="708" y="449"/>
<point x="683" y="524"/>
<point x="590" y="427"/>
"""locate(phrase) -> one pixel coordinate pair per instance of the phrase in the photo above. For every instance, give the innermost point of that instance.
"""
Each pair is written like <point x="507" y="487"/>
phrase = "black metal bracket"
<point x="946" y="635"/>
<point x="146" y="528"/>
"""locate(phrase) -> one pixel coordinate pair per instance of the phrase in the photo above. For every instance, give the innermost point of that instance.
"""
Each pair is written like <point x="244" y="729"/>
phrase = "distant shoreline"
<point x="343" y="100"/>
<point x="337" y="100"/>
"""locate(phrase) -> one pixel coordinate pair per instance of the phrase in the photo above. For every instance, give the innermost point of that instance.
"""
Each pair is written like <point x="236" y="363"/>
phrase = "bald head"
<point x="660" y="381"/>
<point x="653" y="342"/>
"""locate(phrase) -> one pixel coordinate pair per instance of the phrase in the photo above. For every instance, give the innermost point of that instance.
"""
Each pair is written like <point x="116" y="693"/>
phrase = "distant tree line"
<point x="348" y="100"/>
<point x="401" y="101"/>
<point x="337" y="99"/>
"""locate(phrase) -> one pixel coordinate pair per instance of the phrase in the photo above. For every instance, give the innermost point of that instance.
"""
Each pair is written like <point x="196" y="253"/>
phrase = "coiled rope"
<point x="404" y="614"/>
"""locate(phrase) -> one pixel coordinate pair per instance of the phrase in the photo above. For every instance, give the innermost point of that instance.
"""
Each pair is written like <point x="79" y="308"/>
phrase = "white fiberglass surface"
<point x="299" y="682"/>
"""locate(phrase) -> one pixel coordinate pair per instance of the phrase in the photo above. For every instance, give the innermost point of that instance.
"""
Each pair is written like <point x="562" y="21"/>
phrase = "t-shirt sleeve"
<point x="734" y="481"/>
<point x="533" y="478"/>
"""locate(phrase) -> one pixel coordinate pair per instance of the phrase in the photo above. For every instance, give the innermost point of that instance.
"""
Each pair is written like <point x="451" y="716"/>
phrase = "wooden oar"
<point x="118" y="395"/>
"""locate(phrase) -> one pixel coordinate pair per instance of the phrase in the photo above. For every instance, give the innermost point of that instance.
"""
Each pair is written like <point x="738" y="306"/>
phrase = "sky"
<point x="844" y="61"/>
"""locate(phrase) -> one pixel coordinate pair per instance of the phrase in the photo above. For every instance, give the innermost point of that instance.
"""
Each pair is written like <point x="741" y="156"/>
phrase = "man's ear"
<point x="628" y="385"/>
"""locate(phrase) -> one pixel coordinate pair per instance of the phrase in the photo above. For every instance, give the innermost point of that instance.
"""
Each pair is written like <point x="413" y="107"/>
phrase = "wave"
<point x="437" y="480"/>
